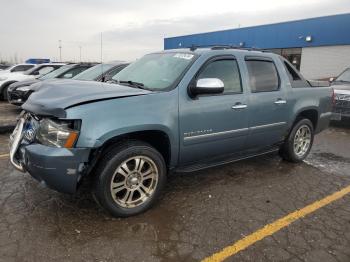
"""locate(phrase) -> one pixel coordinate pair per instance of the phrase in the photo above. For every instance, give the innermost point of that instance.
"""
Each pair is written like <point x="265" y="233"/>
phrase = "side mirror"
<point x="208" y="86"/>
<point x="331" y="79"/>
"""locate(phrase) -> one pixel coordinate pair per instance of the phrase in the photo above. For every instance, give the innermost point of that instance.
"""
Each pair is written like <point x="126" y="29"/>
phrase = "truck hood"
<point x="54" y="97"/>
<point x="341" y="89"/>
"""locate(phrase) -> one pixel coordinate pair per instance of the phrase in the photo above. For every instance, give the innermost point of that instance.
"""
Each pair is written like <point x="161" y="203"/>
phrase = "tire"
<point x="129" y="178"/>
<point x="4" y="93"/>
<point x="293" y="150"/>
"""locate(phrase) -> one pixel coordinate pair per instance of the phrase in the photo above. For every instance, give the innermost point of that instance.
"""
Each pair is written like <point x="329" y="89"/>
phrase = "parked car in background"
<point x="101" y="72"/>
<point x="19" y="92"/>
<point x="3" y="67"/>
<point x="177" y="110"/>
<point x="17" y="68"/>
<point x="341" y="86"/>
<point x="38" y="70"/>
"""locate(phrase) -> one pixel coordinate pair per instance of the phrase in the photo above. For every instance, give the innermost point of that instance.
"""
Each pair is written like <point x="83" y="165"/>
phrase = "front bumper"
<point x="342" y="107"/>
<point x="58" y="168"/>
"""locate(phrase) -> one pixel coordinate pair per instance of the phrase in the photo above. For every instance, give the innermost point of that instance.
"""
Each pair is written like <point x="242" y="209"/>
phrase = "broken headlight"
<point x="58" y="133"/>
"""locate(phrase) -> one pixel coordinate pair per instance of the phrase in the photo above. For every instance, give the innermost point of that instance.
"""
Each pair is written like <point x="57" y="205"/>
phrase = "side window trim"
<point x="294" y="83"/>
<point x="264" y="59"/>
<point x="219" y="58"/>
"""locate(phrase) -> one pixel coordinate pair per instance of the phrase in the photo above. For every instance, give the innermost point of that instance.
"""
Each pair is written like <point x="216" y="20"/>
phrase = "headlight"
<point x="2" y="78"/>
<point x="58" y="133"/>
<point x="23" y="88"/>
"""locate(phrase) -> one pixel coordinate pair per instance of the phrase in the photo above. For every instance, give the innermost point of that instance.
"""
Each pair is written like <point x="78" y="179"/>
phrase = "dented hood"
<point x="53" y="98"/>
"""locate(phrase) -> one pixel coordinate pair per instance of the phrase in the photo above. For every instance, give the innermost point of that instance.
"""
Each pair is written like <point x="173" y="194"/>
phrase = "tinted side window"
<point x="74" y="71"/>
<point x="114" y="71"/>
<point x="227" y="71"/>
<point x="46" y="70"/>
<point x="21" y="68"/>
<point x="263" y="76"/>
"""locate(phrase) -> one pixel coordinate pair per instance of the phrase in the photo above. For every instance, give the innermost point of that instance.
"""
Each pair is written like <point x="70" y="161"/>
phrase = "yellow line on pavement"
<point x="4" y="155"/>
<point x="272" y="228"/>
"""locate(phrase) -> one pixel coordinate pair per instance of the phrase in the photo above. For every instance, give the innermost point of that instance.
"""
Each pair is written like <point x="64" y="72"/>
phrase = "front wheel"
<point x="299" y="142"/>
<point x="4" y="93"/>
<point x="130" y="178"/>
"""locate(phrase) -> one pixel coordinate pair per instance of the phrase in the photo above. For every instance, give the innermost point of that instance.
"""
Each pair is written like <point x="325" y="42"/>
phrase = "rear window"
<point x="263" y="76"/>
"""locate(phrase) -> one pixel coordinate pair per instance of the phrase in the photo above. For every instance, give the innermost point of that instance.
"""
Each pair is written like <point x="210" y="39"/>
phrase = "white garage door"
<point x="324" y="62"/>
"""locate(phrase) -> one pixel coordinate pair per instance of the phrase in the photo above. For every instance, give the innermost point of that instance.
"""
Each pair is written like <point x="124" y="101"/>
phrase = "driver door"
<point x="211" y="125"/>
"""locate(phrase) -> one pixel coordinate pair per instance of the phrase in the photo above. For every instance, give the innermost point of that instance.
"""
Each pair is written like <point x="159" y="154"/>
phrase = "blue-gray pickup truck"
<point x="177" y="110"/>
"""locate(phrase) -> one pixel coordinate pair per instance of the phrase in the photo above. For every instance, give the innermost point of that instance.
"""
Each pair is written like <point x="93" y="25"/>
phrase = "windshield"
<point x="93" y="72"/>
<point x="56" y="73"/>
<point x="345" y="76"/>
<point x="156" y="71"/>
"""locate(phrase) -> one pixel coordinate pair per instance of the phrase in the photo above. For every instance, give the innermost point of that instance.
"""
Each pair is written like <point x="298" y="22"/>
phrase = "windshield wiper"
<point x="133" y="84"/>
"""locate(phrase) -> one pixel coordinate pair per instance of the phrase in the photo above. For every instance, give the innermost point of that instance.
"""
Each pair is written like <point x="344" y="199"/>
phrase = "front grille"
<point x="342" y="104"/>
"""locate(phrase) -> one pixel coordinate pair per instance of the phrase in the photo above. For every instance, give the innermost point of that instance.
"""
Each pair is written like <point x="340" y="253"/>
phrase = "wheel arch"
<point x="159" y="139"/>
<point x="309" y="113"/>
<point x="6" y="84"/>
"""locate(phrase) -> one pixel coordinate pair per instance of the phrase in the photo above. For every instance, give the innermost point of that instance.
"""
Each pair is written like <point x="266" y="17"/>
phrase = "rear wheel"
<point x="299" y="142"/>
<point x="130" y="178"/>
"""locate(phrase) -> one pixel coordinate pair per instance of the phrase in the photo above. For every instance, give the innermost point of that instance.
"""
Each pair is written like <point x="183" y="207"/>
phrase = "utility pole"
<point x="101" y="49"/>
<point x="80" y="53"/>
<point x="60" y="47"/>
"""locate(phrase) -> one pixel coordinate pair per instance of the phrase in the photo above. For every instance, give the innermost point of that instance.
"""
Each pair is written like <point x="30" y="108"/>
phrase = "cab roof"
<point x="219" y="49"/>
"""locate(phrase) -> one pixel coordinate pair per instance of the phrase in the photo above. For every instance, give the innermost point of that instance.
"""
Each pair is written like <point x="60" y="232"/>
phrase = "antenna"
<point x="60" y="48"/>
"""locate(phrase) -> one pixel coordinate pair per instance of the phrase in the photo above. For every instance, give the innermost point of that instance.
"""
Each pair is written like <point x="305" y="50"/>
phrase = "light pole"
<point x="80" y="53"/>
<point x="101" y="50"/>
<point x="60" y="48"/>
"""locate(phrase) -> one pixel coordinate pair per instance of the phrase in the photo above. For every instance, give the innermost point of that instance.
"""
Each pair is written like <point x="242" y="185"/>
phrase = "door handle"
<point x="239" y="106"/>
<point x="280" y="101"/>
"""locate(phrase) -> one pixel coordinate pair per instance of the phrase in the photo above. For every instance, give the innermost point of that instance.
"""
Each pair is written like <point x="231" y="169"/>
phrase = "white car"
<point x="17" y="68"/>
<point x="9" y="77"/>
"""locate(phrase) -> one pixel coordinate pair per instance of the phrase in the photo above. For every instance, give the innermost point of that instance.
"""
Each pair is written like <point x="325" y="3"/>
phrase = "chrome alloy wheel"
<point x="134" y="181"/>
<point x="302" y="140"/>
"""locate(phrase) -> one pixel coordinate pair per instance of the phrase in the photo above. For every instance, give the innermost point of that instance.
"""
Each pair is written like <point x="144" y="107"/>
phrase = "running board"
<point x="200" y="166"/>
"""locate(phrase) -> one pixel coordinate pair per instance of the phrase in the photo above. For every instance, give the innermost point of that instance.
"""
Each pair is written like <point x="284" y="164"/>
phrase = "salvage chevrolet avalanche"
<point x="179" y="110"/>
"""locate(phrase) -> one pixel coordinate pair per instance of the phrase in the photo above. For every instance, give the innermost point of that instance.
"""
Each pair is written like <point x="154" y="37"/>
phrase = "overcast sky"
<point x="131" y="28"/>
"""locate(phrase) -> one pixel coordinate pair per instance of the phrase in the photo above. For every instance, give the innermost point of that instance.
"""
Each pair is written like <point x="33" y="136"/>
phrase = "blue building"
<point x="318" y="47"/>
<point x="37" y="60"/>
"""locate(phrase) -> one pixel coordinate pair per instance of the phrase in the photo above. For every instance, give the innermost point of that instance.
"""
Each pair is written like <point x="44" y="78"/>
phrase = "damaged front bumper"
<point x="58" y="168"/>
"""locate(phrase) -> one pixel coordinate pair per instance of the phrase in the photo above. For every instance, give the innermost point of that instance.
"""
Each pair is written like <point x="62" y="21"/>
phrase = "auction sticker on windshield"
<point x="184" y="56"/>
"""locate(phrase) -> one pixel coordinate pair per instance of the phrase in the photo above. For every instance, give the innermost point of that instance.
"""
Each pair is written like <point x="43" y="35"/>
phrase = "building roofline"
<point x="257" y="26"/>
